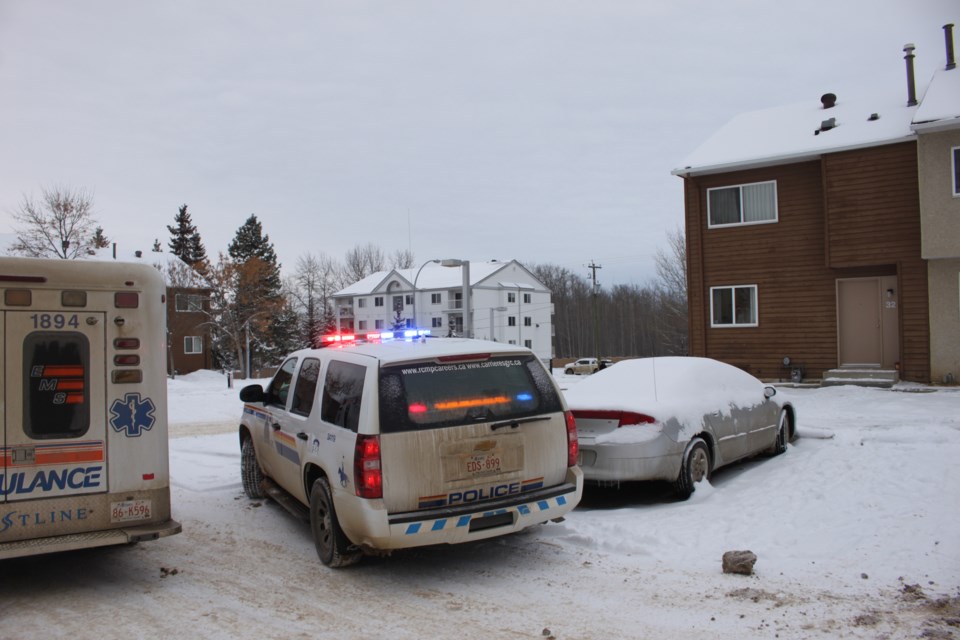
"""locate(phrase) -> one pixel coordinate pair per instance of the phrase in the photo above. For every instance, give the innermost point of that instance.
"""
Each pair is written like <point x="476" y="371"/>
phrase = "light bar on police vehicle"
<point x="374" y="336"/>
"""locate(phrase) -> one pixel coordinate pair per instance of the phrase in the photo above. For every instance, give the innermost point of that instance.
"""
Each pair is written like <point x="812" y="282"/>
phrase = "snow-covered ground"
<point x="856" y="527"/>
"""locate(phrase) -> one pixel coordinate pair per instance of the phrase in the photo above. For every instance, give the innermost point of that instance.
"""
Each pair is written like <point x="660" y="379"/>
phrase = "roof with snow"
<point x="803" y="131"/>
<point x="429" y="276"/>
<point x="940" y="107"/>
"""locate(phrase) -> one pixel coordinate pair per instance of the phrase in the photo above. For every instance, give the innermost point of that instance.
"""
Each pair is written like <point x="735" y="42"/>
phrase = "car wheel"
<point x="250" y="471"/>
<point x="694" y="468"/>
<point x="569" y="372"/>
<point x="783" y="435"/>
<point x="332" y="545"/>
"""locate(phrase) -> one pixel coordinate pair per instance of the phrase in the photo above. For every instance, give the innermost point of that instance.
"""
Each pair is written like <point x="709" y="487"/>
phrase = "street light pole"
<point x="416" y="325"/>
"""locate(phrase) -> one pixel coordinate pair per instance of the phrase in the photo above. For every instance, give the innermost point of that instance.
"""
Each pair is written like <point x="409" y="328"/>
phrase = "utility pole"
<point x="596" y="313"/>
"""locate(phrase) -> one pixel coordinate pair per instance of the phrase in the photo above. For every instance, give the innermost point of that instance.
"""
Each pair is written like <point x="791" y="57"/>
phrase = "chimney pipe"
<point x="948" y="37"/>
<point x="911" y="85"/>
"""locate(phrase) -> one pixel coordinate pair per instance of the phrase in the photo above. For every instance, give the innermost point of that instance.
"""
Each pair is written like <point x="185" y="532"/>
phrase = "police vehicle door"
<point x="54" y="388"/>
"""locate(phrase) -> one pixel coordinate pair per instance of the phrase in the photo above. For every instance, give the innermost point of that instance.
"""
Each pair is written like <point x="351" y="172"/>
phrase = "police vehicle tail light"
<point x="367" y="472"/>
<point x="623" y="418"/>
<point x="573" y="445"/>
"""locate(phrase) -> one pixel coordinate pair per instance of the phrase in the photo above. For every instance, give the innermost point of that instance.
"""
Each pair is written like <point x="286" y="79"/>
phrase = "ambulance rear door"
<point x="54" y="424"/>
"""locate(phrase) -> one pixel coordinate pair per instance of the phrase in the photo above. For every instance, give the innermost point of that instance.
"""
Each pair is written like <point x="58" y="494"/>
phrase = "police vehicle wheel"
<point x="332" y="545"/>
<point x="250" y="471"/>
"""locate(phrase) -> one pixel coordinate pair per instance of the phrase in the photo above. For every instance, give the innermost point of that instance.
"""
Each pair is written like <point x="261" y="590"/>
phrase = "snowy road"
<point x="856" y="537"/>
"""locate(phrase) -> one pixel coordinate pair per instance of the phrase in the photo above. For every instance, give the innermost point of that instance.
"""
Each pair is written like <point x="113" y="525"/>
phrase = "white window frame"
<point x="955" y="171"/>
<point x="378" y="325"/>
<point x="527" y="321"/>
<point x="361" y="303"/>
<point x="511" y="296"/>
<point x="188" y="303"/>
<point x="526" y="298"/>
<point x="378" y="301"/>
<point x="436" y="323"/>
<point x="741" y="222"/>
<point x="511" y="321"/>
<point x="436" y="298"/>
<point x="528" y="344"/>
<point x="193" y="341"/>
<point x="361" y="325"/>
<point x="755" y="299"/>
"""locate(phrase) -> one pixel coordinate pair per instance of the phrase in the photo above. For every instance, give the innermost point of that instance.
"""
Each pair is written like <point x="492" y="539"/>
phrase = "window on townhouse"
<point x="511" y="296"/>
<point x="742" y="204"/>
<point x="527" y="321"/>
<point x="434" y="298"/>
<point x="956" y="172"/>
<point x="511" y="321"/>
<point x="378" y="301"/>
<point x="436" y="323"/>
<point x="526" y="298"/>
<point x="193" y="344"/>
<point x="189" y="302"/>
<point x="733" y="306"/>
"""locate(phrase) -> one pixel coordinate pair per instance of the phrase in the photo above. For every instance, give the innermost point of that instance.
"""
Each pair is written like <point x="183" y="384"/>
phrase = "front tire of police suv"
<point x="250" y="471"/>
<point x="333" y="547"/>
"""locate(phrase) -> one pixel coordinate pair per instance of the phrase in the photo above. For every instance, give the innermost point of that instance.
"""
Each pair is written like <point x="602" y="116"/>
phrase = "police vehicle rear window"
<point x="435" y="395"/>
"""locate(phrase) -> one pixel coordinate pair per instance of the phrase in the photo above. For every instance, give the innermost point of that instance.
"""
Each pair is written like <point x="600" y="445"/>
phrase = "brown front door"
<point x="858" y="322"/>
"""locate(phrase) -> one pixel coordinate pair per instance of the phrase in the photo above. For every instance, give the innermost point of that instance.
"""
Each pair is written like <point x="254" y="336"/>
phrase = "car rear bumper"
<point x="657" y="459"/>
<point x="379" y="530"/>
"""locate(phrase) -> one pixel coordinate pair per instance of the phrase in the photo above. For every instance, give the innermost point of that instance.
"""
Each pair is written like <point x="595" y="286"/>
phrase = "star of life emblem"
<point x="133" y="415"/>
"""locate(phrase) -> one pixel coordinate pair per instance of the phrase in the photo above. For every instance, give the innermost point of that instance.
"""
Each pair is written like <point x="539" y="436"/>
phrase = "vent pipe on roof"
<point x="911" y="85"/>
<point x="948" y="37"/>
<point x="828" y="100"/>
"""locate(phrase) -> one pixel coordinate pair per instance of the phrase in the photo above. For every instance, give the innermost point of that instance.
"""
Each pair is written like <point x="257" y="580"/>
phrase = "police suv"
<point x="405" y="441"/>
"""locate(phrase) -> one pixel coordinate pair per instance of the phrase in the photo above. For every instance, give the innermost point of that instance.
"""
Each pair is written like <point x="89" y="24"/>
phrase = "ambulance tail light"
<point x="366" y="463"/>
<point x="126" y="300"/>
<point x="573" y="444"/>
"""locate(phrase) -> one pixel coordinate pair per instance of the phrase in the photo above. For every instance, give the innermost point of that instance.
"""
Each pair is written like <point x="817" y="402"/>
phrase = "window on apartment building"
<point x="434" y="298"/>
<point x="956" y="172"/>
<point x="378" y="301"/>
<point x="436" y="322"/>
<point x="742" y="204"/>
<point x="193" y="344"/>
<point x="362" y="325"/>
<point x="528" y="344"/>
<point x="361" y="303"/>
<point x="189" y="302"/>
<point x="408" y="299"/>
<point x="734" y="306"/>
<point x="378" y="324"/>
<point x="511" y="296"/>
<point x="511" y="321"/>
<point x="527" y="321"/>
<point x="526" y="298"/>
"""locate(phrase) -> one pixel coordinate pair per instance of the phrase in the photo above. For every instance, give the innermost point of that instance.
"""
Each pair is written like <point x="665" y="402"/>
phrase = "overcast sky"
<point x="541" y="130"/>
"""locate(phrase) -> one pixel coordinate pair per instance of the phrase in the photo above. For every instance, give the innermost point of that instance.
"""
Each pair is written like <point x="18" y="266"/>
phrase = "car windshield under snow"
<point x="432" y="395"/>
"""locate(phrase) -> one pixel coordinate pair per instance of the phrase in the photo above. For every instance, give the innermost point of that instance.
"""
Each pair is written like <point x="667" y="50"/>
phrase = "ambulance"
<point x="83" y="409"/>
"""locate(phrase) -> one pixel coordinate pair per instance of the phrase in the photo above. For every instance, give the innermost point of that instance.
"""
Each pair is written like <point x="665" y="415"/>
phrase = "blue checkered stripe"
<point x="462" y="521"/>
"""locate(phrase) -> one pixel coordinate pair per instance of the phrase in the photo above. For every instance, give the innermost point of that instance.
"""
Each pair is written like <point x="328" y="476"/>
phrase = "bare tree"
<point x="59" y="225"/>
<point x="402" y="259"/>
<point x="361" y="261"/>
<point x="309" y="290"/>
<point x="672" y="291"/>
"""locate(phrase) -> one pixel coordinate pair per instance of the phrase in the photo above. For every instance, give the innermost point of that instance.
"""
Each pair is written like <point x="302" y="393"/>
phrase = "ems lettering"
<point x="21" y="482"/>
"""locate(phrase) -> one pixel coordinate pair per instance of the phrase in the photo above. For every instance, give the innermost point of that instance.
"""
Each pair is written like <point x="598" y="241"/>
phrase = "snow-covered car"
<point x="675" y="419"/>
<point x="410" y="442"/>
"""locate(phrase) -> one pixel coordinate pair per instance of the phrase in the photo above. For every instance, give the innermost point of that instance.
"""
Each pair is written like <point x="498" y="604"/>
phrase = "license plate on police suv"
<point x="484" y="463"/>
<point x="131" y="510"/>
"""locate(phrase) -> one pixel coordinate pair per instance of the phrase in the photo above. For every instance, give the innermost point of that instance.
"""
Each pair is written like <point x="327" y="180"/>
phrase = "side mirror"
<point x="768" y="392"/>
<point x="252" y="393"/>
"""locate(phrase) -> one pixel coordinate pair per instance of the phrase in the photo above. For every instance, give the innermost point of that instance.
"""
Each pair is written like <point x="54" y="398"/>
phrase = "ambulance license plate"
<point x="131" y="510"/>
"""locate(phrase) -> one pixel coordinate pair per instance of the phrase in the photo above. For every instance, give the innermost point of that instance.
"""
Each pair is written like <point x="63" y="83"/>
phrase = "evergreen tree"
<point x="185" y="240"/>
<point x="257" y="294"/>
<point x="100" y="241"/>
<point x="156" y="246"/>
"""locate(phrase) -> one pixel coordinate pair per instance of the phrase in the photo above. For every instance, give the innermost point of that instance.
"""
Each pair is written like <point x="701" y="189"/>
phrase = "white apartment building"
<point x="504" y="302"/>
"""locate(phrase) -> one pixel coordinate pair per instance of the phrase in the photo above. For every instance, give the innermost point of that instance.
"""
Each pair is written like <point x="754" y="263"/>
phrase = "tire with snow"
<point x="333" y="547"/>
<point x="694" y="468"/>
<point x="783" y="435"/>
<point x="569" y="372"/>
<point x="250" y="471"/>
